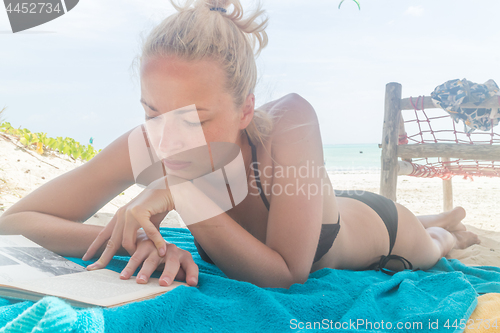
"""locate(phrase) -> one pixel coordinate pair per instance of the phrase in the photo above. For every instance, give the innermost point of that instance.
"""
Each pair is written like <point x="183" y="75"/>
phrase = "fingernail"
<point x="91" y="267"/>
<point x="142" y="278"/>
<point x="123" y="275"/>
<point x="167" y="281"/>
<point x="162" y="251"/>
<point x="194" y="280"/>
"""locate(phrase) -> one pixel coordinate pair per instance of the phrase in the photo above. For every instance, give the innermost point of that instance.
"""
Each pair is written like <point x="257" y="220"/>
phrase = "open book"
<point x="30" y="272"/>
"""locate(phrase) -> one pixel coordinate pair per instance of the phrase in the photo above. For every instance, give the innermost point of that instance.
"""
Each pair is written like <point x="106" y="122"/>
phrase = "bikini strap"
<point x="380" y="266"/>
<point x="256" y="171"/>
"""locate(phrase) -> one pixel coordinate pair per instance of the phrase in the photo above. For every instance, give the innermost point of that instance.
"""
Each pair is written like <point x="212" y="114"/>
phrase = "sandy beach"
<point x="22" y="171"/>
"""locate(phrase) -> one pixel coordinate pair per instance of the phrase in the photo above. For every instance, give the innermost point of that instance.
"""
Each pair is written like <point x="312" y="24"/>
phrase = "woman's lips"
<point x="176" y="165"/>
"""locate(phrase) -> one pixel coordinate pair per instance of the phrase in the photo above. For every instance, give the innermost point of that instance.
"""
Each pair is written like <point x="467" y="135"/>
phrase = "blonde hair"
<point x="206" y="28"/>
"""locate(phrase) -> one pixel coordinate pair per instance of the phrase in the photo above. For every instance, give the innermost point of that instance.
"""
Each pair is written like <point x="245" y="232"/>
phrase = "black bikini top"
<point x="328" y="231"/>
<point x="255" y="166"/>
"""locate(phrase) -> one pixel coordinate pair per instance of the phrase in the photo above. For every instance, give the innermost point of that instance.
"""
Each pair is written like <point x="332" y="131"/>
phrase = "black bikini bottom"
<point x="387" y="211"/>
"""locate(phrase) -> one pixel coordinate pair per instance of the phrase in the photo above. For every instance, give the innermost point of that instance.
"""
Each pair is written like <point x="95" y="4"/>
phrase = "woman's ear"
<point x="247" y="111"/>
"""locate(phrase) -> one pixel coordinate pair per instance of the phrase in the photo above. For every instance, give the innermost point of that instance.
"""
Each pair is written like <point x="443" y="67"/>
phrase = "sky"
<point x="74" y="76"/>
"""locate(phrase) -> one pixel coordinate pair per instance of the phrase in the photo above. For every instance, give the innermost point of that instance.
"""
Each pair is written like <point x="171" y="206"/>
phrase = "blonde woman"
<point x="284" y="228"/>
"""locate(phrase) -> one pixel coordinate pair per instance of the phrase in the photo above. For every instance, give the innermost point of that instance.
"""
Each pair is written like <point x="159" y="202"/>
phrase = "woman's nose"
<point x="171" y="140"/>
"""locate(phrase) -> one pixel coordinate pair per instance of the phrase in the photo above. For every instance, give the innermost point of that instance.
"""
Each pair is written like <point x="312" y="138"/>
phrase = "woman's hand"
<point x="177" y="263"/>
<point x="147" y="210"/>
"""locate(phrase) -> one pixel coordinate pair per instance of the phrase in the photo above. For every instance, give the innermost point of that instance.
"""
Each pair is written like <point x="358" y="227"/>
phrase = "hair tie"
<point x="219" y="9"/>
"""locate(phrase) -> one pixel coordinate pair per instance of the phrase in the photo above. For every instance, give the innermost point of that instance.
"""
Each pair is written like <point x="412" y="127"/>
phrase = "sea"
<point x="363" y="158"/>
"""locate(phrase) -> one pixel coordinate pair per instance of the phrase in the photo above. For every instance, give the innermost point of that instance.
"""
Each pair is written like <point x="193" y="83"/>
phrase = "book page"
<point x="21" y="259"/>
<point x="101" y="287"/>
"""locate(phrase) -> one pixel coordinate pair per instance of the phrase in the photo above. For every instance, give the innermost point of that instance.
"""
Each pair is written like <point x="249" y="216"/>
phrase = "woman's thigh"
<point x="413" y="242"/>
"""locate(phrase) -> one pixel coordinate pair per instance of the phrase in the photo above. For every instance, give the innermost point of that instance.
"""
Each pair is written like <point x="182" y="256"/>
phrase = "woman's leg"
<point x="450" y="220"/>
<point x="423" y="243"/>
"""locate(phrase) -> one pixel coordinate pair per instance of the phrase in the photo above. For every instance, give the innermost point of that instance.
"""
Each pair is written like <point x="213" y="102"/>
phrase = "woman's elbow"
<point x="285" y="280"/>
<point x="291" y="282"/>
<point x="293" y="278"/>
<point x="6" y="223"/>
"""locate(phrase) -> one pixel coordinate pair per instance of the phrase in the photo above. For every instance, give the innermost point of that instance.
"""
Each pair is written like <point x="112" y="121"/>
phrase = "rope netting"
<point x="436" y="126"/>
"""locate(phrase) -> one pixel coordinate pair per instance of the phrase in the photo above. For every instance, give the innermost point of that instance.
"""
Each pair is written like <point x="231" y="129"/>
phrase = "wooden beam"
<point x="428" y="104"/>
<point x="491" y="102"/>
<point x="450" y="150"/>
<point x="389" y="158"/>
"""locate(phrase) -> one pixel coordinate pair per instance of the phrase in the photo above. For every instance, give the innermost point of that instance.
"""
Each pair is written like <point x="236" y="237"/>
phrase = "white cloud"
<point x="415" y="11"/>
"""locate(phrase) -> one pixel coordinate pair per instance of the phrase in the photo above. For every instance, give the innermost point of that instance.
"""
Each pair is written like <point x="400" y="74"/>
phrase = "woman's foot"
<point x="465" y="239"/>
<point x="455" y="217"/>
<point x="452" y="222"/>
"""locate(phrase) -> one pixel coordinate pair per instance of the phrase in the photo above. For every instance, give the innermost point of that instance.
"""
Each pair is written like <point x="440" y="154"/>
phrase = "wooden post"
<point x="447" y="192"/>
<point x="389" y="158"/>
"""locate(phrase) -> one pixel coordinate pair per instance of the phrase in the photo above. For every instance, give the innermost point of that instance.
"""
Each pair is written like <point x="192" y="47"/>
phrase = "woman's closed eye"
<point x="188" y="123"/>
<point x="193" y="124"/>
<point x="151" y="118"/>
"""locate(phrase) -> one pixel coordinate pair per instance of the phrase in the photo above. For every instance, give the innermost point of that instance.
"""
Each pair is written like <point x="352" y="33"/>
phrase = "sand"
<point x="23" y="171"/>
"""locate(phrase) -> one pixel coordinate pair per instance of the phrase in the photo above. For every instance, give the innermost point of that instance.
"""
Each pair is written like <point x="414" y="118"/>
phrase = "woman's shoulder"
<point x="289" y="112"/>
<point x="294" y="120"/>
<point x="290" y="103"/>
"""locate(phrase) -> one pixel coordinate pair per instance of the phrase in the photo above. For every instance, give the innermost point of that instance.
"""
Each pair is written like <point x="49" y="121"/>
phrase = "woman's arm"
<point x="65" y="237"/>
<point x="295" y="216"/>
<point x="49" y="215"/>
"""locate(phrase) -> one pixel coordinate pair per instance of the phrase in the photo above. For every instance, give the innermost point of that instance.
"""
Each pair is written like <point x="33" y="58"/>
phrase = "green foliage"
<point x="40" y="142"/>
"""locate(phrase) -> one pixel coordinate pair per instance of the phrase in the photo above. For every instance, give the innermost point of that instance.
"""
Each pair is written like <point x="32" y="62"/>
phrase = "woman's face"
<point x="186" y="107"/>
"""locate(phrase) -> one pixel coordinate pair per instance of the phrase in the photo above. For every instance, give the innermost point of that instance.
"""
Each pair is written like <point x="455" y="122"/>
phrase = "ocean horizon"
<point x="352" y="157"/>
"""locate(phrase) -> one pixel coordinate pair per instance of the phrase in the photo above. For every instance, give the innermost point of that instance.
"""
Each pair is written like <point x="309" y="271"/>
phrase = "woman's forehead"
<point x="205" y="69"/>
<point x="173" y="83"/>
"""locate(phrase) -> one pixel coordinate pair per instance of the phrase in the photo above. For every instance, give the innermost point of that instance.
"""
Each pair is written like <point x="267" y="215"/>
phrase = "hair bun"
<point x="218" y="3"/>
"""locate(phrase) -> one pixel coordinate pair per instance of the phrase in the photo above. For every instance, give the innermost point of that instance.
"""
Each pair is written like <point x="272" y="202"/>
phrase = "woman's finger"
<point x="132" y="225"/>
<point x="135" y="261"/>
<point x="181" y="274"/>
<point x="101" y="238"/>
<point x="191" y="268"/>
<point x="143" y="219"/>
<point x="130" y="233"/>
<point x="113" y="245"/>
<point x="172" y="265"/>
<point x="148" y="267"/>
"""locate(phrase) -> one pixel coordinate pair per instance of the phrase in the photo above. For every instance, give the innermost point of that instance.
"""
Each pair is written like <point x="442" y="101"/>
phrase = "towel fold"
<point x="409" y="301"/>
<point x="52" y="314"/>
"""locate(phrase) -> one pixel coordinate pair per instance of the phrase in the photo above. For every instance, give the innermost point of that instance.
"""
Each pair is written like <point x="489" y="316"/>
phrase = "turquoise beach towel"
<point x="342" y="300"/>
